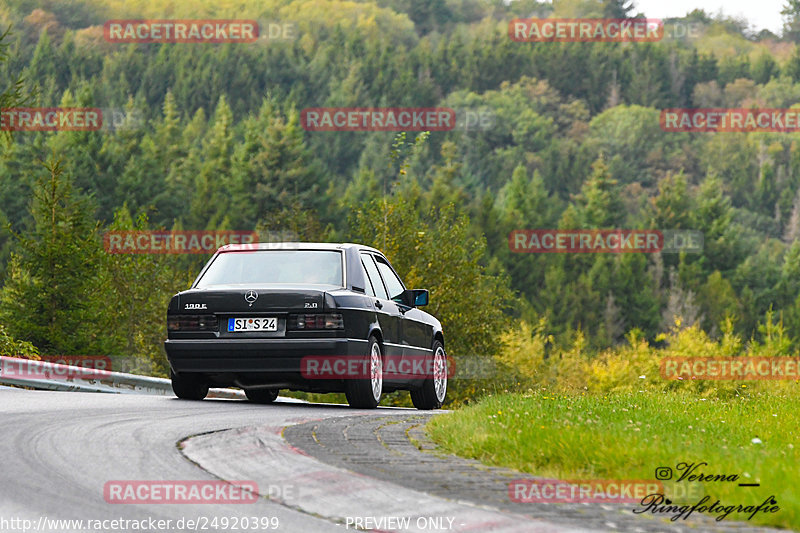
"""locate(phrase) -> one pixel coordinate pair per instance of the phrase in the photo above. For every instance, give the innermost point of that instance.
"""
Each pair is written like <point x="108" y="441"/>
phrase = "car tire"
<point x="188" y="386"/>
<point x="434" y="389"/>
<point x="261" y="395"/>
<point x="366" y="393"/>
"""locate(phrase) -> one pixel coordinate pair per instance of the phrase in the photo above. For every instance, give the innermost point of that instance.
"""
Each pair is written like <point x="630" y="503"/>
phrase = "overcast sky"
<point x="759" y="13"/>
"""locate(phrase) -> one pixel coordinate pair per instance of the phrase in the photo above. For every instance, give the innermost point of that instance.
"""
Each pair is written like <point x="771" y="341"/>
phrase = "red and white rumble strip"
<point x="331" y="493"/>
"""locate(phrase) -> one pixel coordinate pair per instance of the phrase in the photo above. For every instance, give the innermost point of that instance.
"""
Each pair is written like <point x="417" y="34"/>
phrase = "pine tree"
<point x="525" y="202"/>
<point x="50" y="297"/>
<point x="765" y="68"/>
<point x="12" y="95"/>
<point x="143" y="284"/>
<point x="681" y="311"/>
<point x="614" y="324"/>
<point x="43" y="64"/>
<point x="713" y="215"/>
<point x="210" y="202"/>
<point x="445" y="188"/>
<point x="672" y="208"/>
<point x="599" y="203"/>
<point x="273" y="169"/>
<point x="792" y="230"/>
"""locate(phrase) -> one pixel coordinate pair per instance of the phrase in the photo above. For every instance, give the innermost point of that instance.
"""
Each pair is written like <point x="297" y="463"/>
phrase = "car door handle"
<point x="378" y="304"/>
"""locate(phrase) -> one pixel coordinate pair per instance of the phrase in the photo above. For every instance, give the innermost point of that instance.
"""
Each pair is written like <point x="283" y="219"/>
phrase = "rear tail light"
<point x="192" y="323"/>
<point x="316" y="321"/>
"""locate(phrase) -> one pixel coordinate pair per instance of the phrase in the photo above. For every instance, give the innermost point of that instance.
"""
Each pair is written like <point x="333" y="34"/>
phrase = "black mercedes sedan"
<point x="315" y="317"/>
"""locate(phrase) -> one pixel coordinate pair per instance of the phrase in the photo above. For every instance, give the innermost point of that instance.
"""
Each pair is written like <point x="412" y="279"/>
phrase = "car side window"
<point x="369" y="286"/>
<point x="374" y="276"/>
<point x="393" y="283"/>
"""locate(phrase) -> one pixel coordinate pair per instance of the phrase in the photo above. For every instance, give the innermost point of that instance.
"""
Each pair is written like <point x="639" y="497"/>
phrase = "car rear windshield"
<point x="316" y="267"/>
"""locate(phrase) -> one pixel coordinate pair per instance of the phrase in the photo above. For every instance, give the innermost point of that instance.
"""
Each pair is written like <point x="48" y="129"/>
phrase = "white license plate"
<point x="253" y="324"/>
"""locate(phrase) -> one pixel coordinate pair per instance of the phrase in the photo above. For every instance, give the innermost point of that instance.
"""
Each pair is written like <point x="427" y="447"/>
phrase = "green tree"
<point x="792" y="66"/>
<point x="427" y="16"/>
<point x="432" y="250"/>
<point x="11" y="347"/>
<point x="599" y="204"/>
<point x="51" y="296"/>
<point x="179" y="182"/>
<point x="633" y="144"/>
<point x="273" y="169"/>
<point x="673" y="206"/>
<point x="13" y="94"/>
<point x="210" y="202"/>
<point x="791" y="20"/>
<point x="142" y="285"/>
<point x="718" y="302"/>
<point x="618" y="9"/>
<point x="524" y="203"/>
<point x="431" y="246"/>
<point x="765" y="68"/>
<point x="149" y="158"/>
<point x="722" y="243"/>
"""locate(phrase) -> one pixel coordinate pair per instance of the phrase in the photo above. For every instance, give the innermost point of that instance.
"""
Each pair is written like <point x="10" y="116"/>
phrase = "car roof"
<point x="295" y="246"/>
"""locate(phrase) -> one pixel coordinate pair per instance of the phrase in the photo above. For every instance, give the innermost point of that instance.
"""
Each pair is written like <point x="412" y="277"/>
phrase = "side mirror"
<point x="413" y="297"/>
<point x="420" y="297"/>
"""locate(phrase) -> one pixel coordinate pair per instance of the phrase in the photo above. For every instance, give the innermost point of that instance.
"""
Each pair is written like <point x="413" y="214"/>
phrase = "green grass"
<point x="627" y="436"/>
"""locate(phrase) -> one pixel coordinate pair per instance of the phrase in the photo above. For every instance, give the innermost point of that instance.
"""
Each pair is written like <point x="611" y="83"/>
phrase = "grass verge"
<point x="629" y="435"/>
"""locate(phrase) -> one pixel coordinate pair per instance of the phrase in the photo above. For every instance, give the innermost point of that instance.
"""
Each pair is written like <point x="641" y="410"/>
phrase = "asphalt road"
<point x="58" y="450"/>
<point x="317" y="467"/>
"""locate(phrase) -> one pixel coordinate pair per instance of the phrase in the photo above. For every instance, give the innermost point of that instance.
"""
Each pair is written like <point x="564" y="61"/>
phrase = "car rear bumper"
<point x="253" y="355"/>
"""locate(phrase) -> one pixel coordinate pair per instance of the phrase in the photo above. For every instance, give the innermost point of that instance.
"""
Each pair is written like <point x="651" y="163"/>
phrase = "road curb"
<point x="285" y="474"/>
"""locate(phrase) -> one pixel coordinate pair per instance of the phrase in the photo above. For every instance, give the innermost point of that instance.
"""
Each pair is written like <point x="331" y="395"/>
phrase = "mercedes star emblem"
<point x="250" y="297"/>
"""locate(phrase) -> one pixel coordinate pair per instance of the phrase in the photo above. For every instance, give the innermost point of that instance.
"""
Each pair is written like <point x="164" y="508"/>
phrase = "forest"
<point x="210" y="137"/>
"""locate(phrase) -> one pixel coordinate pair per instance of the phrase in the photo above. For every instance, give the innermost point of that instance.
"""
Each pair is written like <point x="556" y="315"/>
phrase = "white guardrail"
<point x="53" y="376"/>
